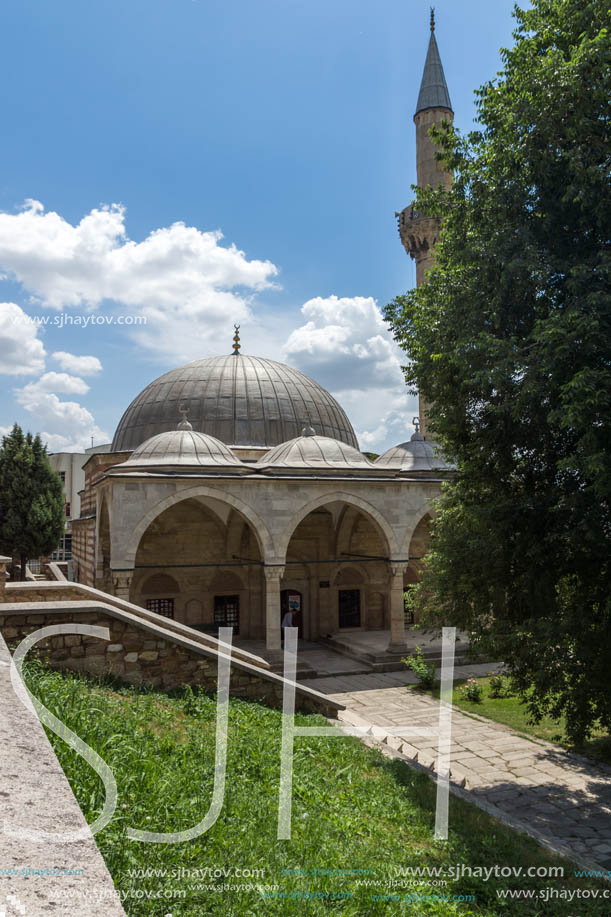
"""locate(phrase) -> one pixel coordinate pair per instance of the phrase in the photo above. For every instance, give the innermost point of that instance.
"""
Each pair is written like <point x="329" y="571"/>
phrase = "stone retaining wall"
<point x="39" y="592"/>
<point x="142" y="653"/>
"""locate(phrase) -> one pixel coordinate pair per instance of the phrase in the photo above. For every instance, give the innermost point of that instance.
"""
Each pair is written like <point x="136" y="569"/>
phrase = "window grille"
<point x="163" y="607"/>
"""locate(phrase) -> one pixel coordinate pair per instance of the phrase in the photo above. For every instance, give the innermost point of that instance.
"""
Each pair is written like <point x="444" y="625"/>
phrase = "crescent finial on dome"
<point x="184" y="423"/>
<point x="236" y="340"/>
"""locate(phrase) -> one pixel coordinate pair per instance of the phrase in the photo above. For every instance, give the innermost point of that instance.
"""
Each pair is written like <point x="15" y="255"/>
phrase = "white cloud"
<point x="345" y="345"/>
<point x="189" y="287"/>
<point x="82" y="366"/>
<point x="67" y="425"/>
<point x="21" y="350"/>
<point x="58" y="382"/>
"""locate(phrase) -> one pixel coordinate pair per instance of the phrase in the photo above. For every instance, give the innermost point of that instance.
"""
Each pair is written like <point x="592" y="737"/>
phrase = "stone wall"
<point x="37" y="592"/>
<point x="83" y="550"/>
<point x="143" y="654"/>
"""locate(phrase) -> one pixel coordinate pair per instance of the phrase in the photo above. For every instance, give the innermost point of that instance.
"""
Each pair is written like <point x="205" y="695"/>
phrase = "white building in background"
<point x="69" y="466"/>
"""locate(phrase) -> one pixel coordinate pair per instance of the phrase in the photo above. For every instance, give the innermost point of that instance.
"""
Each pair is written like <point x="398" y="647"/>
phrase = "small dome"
<point x="416" y="455"/>
<point x="317" y="453"/>
<point x="183" y="448"/>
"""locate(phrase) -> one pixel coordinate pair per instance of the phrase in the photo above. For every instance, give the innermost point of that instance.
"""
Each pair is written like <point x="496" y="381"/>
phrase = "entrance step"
<point x="304" y="670"/>
<point x="381" y="661"/>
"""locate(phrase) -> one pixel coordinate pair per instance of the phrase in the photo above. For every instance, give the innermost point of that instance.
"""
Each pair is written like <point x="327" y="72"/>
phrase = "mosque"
<point x="234" y="488"/>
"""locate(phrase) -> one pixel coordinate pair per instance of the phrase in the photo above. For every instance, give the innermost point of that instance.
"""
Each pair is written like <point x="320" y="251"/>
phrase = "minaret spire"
<point x="433" y="88"/>
<point x="420" y="234"/>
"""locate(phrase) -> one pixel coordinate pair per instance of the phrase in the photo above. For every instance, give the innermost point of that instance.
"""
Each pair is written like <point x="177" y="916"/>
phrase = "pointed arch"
<point x="382" y="526"/>
<point x="260" y="530"/>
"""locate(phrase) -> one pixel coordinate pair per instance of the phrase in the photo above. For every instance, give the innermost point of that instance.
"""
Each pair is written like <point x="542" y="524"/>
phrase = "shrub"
<point x="499" y="685"/>
<point x="472" y="691"/>
<point x="424" y="671"/>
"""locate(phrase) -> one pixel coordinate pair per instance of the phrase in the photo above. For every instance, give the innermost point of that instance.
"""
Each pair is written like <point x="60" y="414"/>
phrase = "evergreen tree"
<point x="32" y="509"/>
<point x="510" y="340"/>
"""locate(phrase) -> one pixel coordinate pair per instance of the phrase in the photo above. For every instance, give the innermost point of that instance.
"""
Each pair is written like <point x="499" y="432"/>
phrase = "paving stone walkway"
<point x="562" y="799"/>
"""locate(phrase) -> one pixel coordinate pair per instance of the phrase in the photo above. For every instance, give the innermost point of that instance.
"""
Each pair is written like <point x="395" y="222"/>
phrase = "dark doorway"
<point x="349" y="601"/>
<point x="227" y="612"/>
<point x="291" y="600"/>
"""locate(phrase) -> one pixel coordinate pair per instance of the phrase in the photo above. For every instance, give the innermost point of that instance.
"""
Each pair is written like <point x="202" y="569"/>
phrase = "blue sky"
<point x="146" y="129"/>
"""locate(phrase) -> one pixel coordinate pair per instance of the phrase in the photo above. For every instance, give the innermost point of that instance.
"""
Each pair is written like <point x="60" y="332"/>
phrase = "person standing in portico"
<point x="287" y="621"/>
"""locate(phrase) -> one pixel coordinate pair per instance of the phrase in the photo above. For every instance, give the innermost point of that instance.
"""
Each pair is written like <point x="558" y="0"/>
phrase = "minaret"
<point x="419" y="235"/>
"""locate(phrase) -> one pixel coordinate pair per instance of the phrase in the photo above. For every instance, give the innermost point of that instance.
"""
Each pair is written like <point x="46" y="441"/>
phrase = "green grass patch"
<point x="353" y="809"/>
<point x="513" y="713"/>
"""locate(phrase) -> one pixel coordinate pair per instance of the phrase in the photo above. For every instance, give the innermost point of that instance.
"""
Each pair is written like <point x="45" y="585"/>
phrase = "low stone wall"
<point x="46" y="592"/>
<point x="38" y="591"/>
<point x="36" y="796"/>
<point x="141" y="652"/>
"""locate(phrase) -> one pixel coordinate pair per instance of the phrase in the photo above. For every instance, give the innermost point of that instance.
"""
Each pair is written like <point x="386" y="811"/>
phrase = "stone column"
<point x="121" y="583"/>
<point x="273" y="575"/>
<point x="3" y="564"/>
<point x="397" y="614"/>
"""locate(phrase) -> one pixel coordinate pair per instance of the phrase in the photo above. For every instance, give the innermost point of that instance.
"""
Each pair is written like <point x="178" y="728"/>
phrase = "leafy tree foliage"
<point x="510" y="340"/>
<point x="32" y="513"/>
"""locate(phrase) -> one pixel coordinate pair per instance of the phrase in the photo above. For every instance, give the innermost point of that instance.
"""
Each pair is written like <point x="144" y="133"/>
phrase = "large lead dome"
<point x="241" y="400"/>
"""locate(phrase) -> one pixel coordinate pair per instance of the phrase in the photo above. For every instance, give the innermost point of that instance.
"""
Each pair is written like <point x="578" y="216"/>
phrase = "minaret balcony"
<point x="419" y="234"/>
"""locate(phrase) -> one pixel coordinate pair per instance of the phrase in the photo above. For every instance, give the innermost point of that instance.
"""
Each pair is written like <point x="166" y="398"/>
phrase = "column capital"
<point x="397" y="567"/>
<point x="121" y="579"/>
<point x="273" y="572"/>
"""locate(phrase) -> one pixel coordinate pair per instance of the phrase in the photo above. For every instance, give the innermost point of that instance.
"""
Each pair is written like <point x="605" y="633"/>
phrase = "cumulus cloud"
<point x="187" y="285"/>
<point x="67" y="425"/>
<point x="345" y="345"/>
<point x="21" y="350"/>
<point x="82" y="366"/>
<point x="58" y="382"/>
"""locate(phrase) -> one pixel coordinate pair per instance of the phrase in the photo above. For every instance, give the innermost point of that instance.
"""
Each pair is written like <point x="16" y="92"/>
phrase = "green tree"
<point x="32" y="511"/>
<point x="510" y="340"/>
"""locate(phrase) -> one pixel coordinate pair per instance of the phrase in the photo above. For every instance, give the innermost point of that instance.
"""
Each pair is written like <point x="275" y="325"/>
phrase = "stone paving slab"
<point x="562" y="799"/>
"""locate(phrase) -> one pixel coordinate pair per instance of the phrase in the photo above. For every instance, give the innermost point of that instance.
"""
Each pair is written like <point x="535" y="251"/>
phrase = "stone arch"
<point x="159" y="584"/>
<point x="427" y="509"/>
<point x="225" y="581"/>
<point x="258" y="526"/>
<point x="350" y="575"/>
<point x="194" y="612"/>
<point x="383" y="527"/>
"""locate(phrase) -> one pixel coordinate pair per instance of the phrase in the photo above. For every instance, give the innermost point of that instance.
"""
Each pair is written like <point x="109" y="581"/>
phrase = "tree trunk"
<point x="23" y="561"/>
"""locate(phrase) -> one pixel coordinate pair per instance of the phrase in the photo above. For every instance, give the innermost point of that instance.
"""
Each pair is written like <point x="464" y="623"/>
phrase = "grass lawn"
<point x="511" y="712"/>
<point x="353" y="810"/>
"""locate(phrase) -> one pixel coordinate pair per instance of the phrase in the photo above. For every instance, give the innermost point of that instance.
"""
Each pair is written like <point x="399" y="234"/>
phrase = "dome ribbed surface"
<point x="316" y="453"/>
<point x="183" y="448"/>
<point x="238" y="399"/>
<point x="416" y="455"/>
